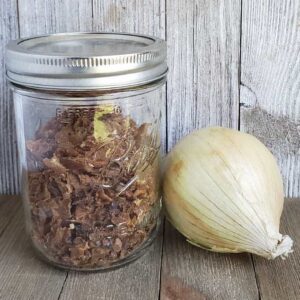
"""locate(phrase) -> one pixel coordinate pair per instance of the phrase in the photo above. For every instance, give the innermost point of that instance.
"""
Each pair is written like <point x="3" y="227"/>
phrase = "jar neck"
<point x="94" y="93"/>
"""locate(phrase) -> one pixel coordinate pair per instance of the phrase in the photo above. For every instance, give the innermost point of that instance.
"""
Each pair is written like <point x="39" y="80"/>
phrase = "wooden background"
<point x="233" y="63"/>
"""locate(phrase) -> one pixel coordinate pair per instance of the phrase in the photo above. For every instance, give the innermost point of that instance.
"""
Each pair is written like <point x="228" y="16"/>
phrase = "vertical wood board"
<point x="53" y="16"/>
<point x="134" y="16"/>
<point x="203" y="83"/>
<point x="270" y="81"/>
<point x="203" y="43"/>
<point x="9" y="179"/>
<point x="8" y="208"/>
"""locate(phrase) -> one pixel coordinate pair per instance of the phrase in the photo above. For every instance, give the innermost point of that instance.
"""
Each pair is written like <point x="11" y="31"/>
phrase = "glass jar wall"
<point x="90" y="165"/>
<point x="91" y="174"/>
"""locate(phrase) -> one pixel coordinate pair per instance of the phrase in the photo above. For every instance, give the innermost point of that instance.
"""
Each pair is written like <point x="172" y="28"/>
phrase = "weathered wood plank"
<point x="188" y="272"/>
<point x="187" y="269"/>
<point x="9" y="179"/>
<point x="39" y="17"/>
<point x="280" y="279"/>
<point x="139" y="280"/>
<point x="22" y="275"/>
<point x="9" y="205"/>
<point x="270" y="81"/>
<point x="134" y="16"/>
<point x="203" y="84"/>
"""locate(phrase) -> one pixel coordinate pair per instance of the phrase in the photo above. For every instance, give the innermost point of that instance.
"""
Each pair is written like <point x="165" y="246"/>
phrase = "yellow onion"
<point x="223" y="191"/>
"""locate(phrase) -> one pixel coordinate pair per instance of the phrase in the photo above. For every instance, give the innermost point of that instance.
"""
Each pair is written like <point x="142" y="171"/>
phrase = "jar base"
<point x="137" y="253"/>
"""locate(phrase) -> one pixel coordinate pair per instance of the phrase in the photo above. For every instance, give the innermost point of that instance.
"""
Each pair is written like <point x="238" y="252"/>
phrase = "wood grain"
<point x="139" y="280"/>
<point x="204" y="47"/>
<point x="280" y="279"/>
<point x="9" y="179"/>
<point x="9" y="205"/>
<point x="270" y="81"/>
<point x="211" y="275"/>
<point x="174" y="288"/>
<point x="188" y="272"/>
<point x="134" y="16"/>
<point x="203" y="84"/>
<point x="22" y="275"/>
<point x="41" y="17"/>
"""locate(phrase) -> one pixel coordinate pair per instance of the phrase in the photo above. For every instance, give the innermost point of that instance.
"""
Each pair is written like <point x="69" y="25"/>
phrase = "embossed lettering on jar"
<point x="88" y="121"/>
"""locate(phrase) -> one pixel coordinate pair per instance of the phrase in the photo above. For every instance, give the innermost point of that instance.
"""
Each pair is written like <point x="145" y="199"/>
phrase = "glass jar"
<point x="88" y="109"/>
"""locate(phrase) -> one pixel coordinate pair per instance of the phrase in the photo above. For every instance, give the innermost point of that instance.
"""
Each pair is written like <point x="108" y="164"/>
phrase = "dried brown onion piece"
<point x="93" y="202"/>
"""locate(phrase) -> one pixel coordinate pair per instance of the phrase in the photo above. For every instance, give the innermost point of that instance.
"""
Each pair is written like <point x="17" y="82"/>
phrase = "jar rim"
<point x="86" y="61"/>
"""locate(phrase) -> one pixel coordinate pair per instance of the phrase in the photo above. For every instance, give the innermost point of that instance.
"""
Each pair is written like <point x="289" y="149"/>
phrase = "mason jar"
<point x="88" y="108"/>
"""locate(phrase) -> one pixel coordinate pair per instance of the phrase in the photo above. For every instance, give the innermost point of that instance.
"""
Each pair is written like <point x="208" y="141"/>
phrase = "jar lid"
<point x="84" y="61"/>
